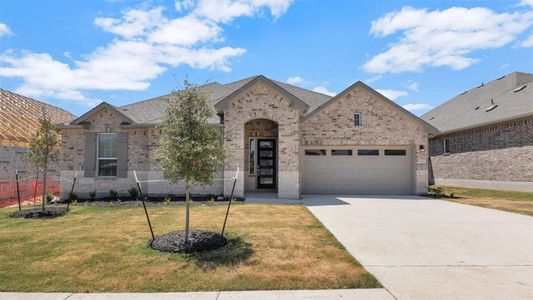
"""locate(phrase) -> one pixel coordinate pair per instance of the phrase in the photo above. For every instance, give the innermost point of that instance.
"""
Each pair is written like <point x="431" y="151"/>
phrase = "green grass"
<point x="105" y="249"/>
<point x="517" y="202"/>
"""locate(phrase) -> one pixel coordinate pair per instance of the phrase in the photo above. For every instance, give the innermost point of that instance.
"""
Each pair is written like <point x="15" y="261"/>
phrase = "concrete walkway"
<point x="355" y="294"/>
<point x="421" y="248"/>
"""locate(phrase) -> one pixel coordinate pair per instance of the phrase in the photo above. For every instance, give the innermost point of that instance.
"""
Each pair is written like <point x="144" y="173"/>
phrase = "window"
<point x="395" y="152"/>
<point x="446" y="144"/>
<point x="252" y="156"/>
<point x="106" y="154"/>
<point x="315" y="152"/>
<point x="364" y="152"/>
<point x="341" y="152"/>
<point x="357" y="119"/>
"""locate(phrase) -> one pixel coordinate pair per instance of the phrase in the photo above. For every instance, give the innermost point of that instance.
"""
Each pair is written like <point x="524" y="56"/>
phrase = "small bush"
<point x="113" y="195"/>
<point x="73" y="197"/>
<point x="167" y="200"/>
<point x="92" y="195"/>
<point x="436" y="191"/>
<point x="49" y="198"/>
<point x="134" y="193"/>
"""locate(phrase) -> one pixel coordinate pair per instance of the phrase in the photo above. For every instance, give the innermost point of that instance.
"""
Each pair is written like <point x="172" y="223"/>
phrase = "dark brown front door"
<point x="266" y="165"/>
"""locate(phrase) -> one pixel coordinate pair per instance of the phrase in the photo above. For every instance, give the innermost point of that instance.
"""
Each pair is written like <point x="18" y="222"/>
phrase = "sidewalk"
<point x="355" y="294"/>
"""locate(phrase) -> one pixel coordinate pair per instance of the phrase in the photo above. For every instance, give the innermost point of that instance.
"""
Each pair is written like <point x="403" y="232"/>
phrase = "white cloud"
<point x="226" y="10"/>
<point x="146" y="44"/>
<point x="392" y="94"/>
<point x="374" y="78"/>
<point x="526" y="3"/>
<point x="4" y="30"/>
<point x="296" y="80"/>
<point x="528" y="42"/>
<point x="323" y="90"/>
<point x="413" y="86"/>
<point x="417" y="106"/>
<point x="182" y="5"/>
<point x="442" y="37"/>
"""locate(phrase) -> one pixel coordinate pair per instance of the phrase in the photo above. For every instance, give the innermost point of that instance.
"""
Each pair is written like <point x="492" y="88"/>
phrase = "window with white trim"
<point x="106" y="154"/>
<point x="446" y="145"/>
<point x="357" y="119"/>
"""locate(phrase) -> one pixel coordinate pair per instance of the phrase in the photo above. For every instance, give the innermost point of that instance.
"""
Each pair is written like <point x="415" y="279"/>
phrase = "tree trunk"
<point x="44" y="187"/>
<point x="187" y="199"/>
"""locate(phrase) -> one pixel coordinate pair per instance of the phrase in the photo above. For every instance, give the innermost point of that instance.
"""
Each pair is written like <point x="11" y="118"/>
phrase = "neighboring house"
<point x="285" y="139"/>
<point x="486" y="136"/>
<point x="19" y="117"/>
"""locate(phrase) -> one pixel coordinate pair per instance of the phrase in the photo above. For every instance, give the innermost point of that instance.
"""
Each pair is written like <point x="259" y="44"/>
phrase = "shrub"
<point x="167" y="200"/>
<point x="92" y="195"/>
<point x="134" y="193"/>
<point x="49" y="198"/>
<point x="113" y="195"/>
<point x="73" y="197"/>
<point x="436" y="191"/>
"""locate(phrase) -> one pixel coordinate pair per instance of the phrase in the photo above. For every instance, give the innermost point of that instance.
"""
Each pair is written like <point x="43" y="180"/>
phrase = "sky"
<point x="75" y="54"/>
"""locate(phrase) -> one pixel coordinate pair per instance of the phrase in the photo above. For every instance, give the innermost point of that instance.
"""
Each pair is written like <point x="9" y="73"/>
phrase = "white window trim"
<point x="360" y="120"/>
<point x="445" y="142"/>
<point x="98" y="158"/>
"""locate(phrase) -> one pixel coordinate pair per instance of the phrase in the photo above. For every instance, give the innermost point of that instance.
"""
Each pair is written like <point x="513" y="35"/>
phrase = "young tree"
<point x="43" y="149"/>
<point x="190" y="149"/>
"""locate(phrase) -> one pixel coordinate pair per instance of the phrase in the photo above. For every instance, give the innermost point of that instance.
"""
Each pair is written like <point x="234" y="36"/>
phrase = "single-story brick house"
<point x="287" y="140"/>
<point x="486" y="136"/>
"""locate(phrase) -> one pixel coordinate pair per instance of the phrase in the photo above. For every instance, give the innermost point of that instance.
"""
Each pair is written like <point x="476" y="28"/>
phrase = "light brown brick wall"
<point x="382" y="124"/>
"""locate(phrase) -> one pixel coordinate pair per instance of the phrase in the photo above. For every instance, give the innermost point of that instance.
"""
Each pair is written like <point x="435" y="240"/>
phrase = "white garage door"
<point x="363" y="170"/>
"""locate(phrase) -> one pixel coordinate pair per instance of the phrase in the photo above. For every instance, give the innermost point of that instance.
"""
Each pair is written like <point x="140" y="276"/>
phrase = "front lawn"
<point x="517" y="202"/>
<point x="96" y="249"/>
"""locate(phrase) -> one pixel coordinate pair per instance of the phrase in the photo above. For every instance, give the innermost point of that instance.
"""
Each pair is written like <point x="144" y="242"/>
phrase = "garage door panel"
<point x="357" y="174"/>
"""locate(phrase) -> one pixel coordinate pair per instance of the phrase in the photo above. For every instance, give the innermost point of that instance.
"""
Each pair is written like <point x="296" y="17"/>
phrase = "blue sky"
<point x="74" y="54"/>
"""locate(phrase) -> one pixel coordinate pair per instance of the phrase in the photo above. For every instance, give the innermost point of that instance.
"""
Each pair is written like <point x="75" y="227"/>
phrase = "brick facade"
<point x="499" y="152"/>
<point x="258" y="110"/>
<point x="382" y="125"/>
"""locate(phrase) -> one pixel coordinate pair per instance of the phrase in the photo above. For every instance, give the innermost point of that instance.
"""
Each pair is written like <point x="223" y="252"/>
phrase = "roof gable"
<point x="360" y="85"/>
<point x="297" y="102"/>
<point x="96" y="109"/>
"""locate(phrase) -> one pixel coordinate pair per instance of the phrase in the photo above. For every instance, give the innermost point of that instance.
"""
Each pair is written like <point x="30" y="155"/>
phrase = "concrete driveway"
<point x="421" y="248"/>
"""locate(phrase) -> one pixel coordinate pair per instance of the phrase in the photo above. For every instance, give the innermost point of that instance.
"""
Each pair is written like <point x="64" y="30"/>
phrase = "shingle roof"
<point x="19" y="116"/>
<point x="152" y="110"/>
<point x="507" y="95"/>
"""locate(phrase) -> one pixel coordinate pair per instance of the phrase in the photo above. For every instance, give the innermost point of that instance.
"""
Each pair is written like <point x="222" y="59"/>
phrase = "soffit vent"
<point x="518" y="89"/>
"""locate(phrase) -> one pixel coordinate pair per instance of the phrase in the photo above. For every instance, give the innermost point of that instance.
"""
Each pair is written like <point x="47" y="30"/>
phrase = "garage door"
<point x="368" y="170"/>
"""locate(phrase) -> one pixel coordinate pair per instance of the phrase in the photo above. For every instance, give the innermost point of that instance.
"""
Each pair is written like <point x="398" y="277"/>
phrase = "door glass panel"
<point x="266" y="162"/>
<point x="268" y="171"/>
<point x="266" y="180"/>
<point x="266" y="144"/>
<point x="266" y="153"/>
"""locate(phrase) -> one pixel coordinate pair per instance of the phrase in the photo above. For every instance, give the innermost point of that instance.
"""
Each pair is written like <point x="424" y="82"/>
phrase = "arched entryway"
<point x="261" y="156"/>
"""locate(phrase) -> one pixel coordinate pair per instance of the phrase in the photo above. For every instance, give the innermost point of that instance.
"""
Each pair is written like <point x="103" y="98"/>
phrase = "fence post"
<point x="229" y="202"/>
<point x="144" y="206"/>
<point x="18" y="190"/>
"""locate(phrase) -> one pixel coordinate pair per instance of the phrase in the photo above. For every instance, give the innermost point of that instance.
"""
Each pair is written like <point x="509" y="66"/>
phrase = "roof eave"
<point x="95" y="109"/>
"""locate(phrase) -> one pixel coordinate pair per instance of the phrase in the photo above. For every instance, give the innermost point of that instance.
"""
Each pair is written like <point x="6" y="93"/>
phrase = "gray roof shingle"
<point x="469" y="109"/>
<point x="152" y="110"/>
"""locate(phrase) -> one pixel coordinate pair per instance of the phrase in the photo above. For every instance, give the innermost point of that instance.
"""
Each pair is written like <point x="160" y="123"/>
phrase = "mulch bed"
<point x="199" y="241"/>
<point x="37" y="213"/>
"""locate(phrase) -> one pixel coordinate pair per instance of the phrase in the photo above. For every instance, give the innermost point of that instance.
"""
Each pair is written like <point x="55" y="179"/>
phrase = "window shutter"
<point x="122" y="154"/>
<point x="89" y="153"/>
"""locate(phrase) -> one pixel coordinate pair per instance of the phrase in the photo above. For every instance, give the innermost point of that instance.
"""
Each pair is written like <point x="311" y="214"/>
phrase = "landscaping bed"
<point x="38" y="213"/>
<point x="199" y="240"/>
<point x="94" y="249"/>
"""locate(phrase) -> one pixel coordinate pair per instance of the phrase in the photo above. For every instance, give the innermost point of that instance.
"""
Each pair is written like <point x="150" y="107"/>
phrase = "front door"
<point x="266" y="165"/>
